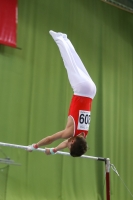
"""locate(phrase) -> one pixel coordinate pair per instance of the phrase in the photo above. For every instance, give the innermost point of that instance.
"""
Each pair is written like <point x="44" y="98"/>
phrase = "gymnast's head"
<point x="77" y="145"/>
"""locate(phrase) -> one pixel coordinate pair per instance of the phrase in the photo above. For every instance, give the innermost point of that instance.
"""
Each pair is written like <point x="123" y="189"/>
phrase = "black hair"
<point x="79" y="147"/>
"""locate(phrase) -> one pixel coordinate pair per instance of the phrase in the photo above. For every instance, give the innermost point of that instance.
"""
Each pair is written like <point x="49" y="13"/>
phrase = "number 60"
<point x="84" y="118"/>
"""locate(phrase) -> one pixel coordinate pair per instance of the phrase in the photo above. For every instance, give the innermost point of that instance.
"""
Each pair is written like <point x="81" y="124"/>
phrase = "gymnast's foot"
<point x="57" y="34"/>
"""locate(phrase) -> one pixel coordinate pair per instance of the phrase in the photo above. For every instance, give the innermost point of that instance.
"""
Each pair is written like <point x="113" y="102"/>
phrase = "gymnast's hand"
<point x="32" y="147"/>
<point x="50" y="151"/>
<point x="47" y="151"/>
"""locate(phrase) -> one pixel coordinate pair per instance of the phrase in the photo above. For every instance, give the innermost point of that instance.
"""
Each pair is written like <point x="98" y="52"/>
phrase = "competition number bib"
<point x="84" y="120"/>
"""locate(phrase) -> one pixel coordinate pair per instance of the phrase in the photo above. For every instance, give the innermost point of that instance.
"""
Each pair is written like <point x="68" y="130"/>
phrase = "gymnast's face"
<point x="70" y="142"/>
<point x="73" y="139"/>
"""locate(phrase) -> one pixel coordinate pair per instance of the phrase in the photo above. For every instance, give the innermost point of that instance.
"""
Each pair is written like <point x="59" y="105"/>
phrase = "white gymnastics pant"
<point x="80" y="80"/>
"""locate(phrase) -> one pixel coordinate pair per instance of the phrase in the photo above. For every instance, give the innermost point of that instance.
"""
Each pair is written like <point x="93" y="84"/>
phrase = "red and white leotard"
<point x="80" y="111"/>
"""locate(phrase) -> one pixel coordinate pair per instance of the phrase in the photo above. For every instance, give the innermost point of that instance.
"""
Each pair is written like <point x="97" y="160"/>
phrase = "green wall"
<point x="35" y="96"/>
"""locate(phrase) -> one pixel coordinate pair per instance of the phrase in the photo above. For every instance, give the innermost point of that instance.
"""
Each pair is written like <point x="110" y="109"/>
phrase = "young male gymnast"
<point x="80" y="108"/>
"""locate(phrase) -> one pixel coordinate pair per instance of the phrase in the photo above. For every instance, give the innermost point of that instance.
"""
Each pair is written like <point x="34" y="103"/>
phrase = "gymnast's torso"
<point x="79" y="114"/>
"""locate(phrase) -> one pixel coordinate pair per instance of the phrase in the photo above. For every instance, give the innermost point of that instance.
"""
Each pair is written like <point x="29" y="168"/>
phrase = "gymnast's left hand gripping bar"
<point x="19" y="146"/>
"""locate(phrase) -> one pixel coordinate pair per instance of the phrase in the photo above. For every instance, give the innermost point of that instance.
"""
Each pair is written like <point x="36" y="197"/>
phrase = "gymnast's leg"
<point x="76" y="56"/>
<point x="79" y="78"/>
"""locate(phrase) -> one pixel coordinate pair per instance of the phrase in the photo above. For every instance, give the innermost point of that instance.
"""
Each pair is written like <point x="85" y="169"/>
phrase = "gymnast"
<point x="84" y="90"/>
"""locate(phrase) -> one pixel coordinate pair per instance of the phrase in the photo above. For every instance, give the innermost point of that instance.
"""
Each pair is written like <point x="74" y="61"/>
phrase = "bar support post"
<point x="107" y="166"/>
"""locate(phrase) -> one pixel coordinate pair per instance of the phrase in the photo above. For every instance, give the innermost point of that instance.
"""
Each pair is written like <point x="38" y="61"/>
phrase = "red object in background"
<point x="8" y="22"/>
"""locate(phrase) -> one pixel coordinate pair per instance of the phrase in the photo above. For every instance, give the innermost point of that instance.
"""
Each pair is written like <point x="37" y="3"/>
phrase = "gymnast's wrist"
<point x="53" y="151"/>
<point x="35" y="146"/>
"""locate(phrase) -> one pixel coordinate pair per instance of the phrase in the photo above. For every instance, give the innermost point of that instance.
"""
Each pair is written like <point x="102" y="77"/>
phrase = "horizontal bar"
<point x="43" y="150"/>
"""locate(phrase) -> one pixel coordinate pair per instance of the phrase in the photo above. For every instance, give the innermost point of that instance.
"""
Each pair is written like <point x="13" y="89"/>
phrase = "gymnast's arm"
<point x="62" y="145"/>
<point x="64" y="134"/>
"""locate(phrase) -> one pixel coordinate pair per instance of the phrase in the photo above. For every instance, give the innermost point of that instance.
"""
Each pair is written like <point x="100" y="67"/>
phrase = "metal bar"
<point x="130" y="10"/>
<point x="43" y="150"/>
<point x="107" y="164"/>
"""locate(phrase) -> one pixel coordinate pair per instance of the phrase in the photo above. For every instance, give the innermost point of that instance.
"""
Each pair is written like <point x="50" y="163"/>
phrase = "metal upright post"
<point x="107" y="165"/>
